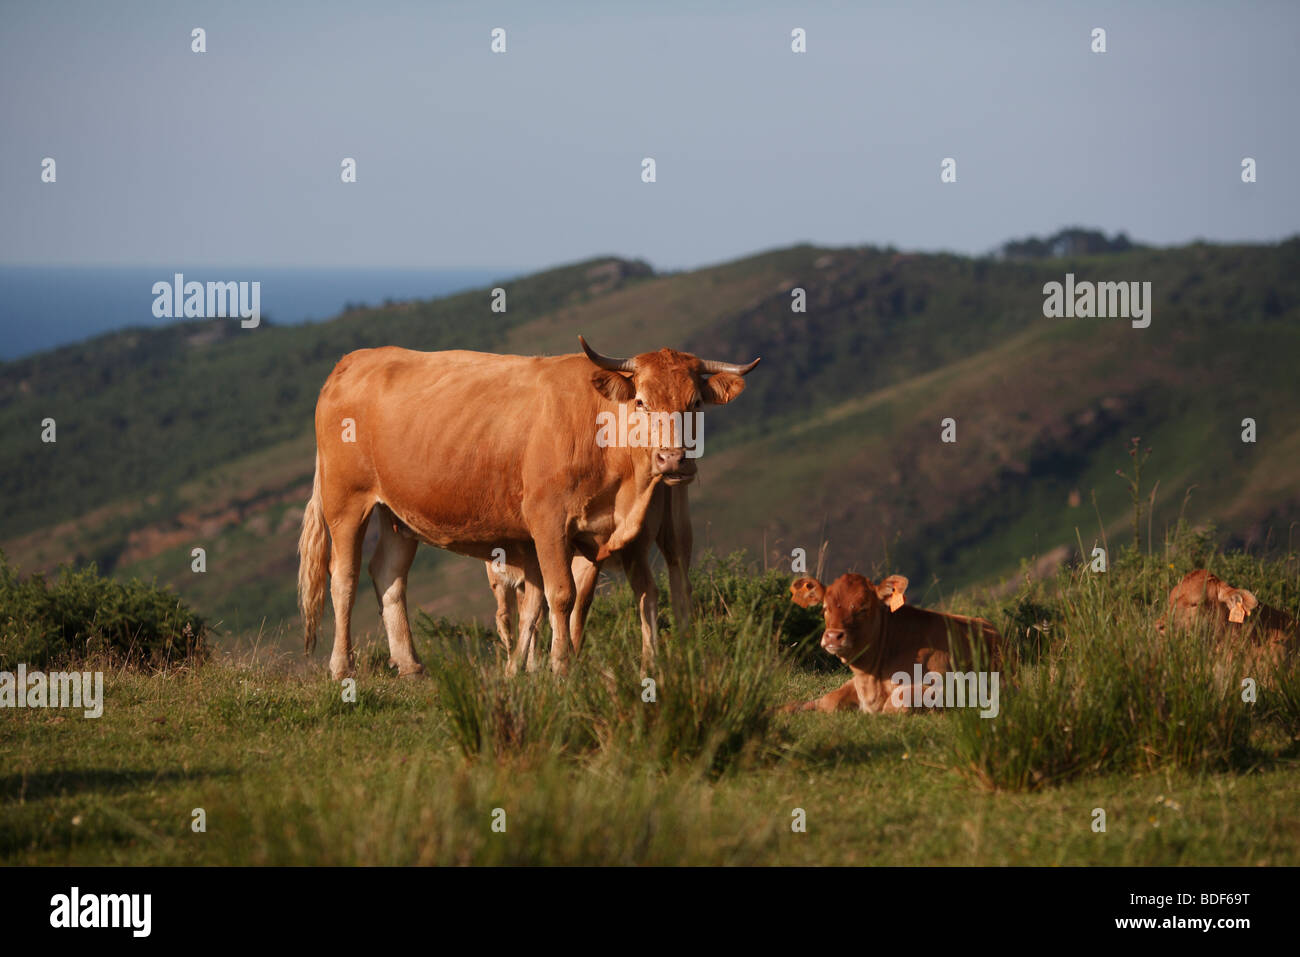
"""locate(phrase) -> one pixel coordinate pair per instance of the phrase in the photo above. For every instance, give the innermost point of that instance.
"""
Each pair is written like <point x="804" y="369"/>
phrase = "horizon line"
<point x="521" y="270"/>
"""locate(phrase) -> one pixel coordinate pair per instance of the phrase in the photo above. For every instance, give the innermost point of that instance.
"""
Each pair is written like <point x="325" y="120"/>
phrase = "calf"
<point x="517" y="581"/>
<point x="872" y="630"/>
<point x="1233" y="613"/>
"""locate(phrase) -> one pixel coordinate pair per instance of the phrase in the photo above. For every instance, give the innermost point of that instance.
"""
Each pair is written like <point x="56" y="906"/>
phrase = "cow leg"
<point x="843" y="698"/>
<point x="554" y="554"/>
<point x="906" y="694"/>
<point x="529" y="597"/>
<point x="679" y="588"/>
<point x="347" y="532"/>
<point x="389" y="567"/>
<point x="636" y="565"/>
<point x="532" y="604"/>
<point x="585" y="575"/>
<point x="503" y="593"/>
<point x="675" y="541"/>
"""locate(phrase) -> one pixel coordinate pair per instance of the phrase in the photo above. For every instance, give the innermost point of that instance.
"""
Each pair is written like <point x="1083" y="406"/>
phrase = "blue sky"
<point x="521" y="160"/>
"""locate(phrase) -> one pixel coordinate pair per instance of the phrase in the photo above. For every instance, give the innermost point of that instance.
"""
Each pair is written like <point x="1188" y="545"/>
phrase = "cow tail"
<point x="313" y="563"/>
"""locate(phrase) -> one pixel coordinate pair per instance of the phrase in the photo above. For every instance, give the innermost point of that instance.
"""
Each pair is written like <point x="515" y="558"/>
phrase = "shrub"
<point x="729" y="594"/>
<point x="83" y="614"/>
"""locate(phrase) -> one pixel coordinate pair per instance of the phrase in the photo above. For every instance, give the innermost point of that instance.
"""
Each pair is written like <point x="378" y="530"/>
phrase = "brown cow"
<point x="1234" y="613"/>
<point x="667" y="521"/>
<point x="871" y="630"/>
<point x="471" y="452"/>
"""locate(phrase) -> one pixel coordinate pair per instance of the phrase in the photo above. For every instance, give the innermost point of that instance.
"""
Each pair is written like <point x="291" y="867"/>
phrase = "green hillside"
<point x="199" y="433"/>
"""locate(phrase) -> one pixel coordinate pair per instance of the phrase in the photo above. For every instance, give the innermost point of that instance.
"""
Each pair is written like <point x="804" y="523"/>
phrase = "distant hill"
<point x="200" y="433"/>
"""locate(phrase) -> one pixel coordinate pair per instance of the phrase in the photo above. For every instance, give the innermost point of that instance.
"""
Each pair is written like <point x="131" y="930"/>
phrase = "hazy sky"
<point x="531" y="158"/>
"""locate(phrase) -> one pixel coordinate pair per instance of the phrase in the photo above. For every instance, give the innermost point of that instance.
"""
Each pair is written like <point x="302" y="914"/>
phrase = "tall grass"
<point x="487" y="813"/>
<point x="1098" y="689"/>
<point x="707" y="702"/>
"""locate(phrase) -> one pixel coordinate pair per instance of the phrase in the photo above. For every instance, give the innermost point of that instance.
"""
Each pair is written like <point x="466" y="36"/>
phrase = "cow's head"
<point x="855" y="610"/>
<point x="1202" y="594"/>
<point x="667" y="382"/>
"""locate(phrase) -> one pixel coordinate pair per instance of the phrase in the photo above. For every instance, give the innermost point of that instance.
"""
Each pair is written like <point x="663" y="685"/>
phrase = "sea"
<point x="42" y="307"/>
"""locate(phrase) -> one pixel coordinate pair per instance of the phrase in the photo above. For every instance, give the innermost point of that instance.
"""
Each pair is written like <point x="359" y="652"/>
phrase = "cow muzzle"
<point x="674" y="466"/>
<point x="835" y="641"/>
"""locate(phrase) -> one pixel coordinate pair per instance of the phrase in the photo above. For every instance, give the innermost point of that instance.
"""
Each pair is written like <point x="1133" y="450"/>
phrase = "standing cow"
<point x="471" y="452"/>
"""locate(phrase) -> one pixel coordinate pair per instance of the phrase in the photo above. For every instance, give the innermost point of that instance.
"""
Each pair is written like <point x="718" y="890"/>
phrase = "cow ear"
<point x="891" y="590"/>
<point x="807" y="592"/>
<point x="1240" y="603"/>
<point x="722" y="387"/>
<point x="614" y="386"/>
<point x="1248" y="597"/>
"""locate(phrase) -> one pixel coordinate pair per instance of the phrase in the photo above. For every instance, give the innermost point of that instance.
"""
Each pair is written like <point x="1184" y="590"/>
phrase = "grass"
<point x="584" y="770"/>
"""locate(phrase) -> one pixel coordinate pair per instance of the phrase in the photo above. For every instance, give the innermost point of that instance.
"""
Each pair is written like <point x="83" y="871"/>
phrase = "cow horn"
<point x="713" y="366"/>
<point x="605" y="362"/>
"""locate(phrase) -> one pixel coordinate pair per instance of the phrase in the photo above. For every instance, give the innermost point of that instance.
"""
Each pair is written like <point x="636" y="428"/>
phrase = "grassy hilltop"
<point x="199" y="433"/>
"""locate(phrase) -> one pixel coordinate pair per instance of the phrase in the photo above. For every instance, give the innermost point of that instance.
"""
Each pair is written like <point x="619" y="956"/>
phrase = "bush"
<point x="730" y="594"/>
<point x="732" y="589"/>
<point x="83" y="614"/>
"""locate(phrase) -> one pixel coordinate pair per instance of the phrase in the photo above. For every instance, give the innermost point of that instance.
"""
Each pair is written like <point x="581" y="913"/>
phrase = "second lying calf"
<point x="1264" y="633"/>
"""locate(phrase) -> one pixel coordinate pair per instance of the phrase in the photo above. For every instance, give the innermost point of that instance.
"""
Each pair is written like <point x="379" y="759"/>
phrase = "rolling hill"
<point x="200" y="433"/>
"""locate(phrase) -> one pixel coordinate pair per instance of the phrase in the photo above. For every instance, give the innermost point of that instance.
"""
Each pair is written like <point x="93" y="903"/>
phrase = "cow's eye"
<point x="640" y="405"/>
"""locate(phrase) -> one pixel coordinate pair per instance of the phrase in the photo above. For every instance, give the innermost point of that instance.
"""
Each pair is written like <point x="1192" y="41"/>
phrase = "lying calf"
<point x="872" y="630"/>
<point x="1231" y="612"/>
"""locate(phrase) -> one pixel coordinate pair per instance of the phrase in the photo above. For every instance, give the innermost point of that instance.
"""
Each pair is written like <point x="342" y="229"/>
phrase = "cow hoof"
<point x="338" y="674"/>
<point x="411" y="671"/>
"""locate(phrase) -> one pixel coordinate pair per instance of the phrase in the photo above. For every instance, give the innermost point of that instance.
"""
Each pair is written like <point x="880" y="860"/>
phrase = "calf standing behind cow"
<point x="473" y="452"/>
<point x="517" y="582"/>
<point x="871" y="629"/>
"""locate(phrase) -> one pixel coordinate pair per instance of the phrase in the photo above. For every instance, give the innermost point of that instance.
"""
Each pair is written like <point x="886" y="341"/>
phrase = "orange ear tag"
<point x="896" y="601"/>
<point x="1238" y="613"/>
